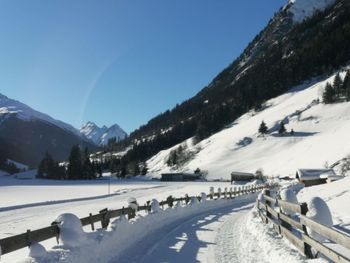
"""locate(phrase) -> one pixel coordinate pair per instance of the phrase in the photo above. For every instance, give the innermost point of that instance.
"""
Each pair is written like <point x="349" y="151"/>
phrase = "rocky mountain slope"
<point x="26" y="134"/>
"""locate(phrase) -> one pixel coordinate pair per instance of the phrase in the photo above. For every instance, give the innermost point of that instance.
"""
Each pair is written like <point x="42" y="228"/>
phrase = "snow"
<point x="100" y="136"/>
<point x="289" y="196"/>
<point x="319" y="212"/>
<point x="118" y="242"/>
<point x="71" y="231"/>
<point x="320" y="133"/>
<point x="337" y="197"/>
<point x="31" y="174"/>
<point x="33" y="204"/>
<point x="302" y="9"/>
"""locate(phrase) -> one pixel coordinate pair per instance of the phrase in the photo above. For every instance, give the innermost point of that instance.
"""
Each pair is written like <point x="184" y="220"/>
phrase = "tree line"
<point x="338" y="91"/>
<point x="79" y="166"/>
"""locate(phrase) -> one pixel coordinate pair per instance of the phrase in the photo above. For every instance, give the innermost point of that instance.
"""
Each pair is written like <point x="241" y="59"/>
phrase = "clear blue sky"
<point x="120" y="61"/>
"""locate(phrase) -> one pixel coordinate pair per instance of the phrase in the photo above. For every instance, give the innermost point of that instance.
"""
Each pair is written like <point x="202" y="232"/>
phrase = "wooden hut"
<point x="311" y="177"/>
<point x="180" y="177"/>
<point x="242" y="177"/>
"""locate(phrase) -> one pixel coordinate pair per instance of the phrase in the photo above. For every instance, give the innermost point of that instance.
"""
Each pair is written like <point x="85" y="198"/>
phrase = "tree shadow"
<point x="183" y="241"/>
<point x="296" y="134"/>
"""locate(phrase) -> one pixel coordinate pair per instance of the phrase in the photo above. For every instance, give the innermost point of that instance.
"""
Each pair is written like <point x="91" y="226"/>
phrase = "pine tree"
<point x="46" y="167"/>
<point x="338" y="86"/>
<point x="346" y="85"/>
<point x="263" y="128"/>
<point x="282" y="129"/>
<point x="144" y="169"/>
<point x="75" y="167"/>
<point x="329" y="94"/>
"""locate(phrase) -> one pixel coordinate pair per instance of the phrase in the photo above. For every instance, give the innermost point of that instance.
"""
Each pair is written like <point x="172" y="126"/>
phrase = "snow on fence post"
<point x="230" y="192"/>
<point x="132" y="203"/>
<point x="225" y="193"/>
<point x="219" y="192"/>
<point x="71" y="230"/>
<point x="193" y="200"/>
<point x="155" y="208"/>
<point x="203" y="197"/>
<point x="211" y="190"/>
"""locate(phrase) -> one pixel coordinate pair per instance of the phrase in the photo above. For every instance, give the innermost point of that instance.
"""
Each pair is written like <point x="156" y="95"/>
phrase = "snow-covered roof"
<point x="314" y="174"/>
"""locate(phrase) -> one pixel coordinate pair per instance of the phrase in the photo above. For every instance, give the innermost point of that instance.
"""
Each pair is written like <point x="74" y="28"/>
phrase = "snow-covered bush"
<point x="71" y="230"/>
<point x="319" y="212"/>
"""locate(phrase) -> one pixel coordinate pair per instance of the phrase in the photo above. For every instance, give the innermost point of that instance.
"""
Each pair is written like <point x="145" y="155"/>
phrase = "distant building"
<point x="311" y="177"/>
<point x="180" y="177"/>
<point x="242" y="177"/>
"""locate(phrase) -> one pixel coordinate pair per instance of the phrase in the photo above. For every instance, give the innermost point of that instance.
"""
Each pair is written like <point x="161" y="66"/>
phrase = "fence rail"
<point x="295" y="228"/>
<point x="13" y="243"/>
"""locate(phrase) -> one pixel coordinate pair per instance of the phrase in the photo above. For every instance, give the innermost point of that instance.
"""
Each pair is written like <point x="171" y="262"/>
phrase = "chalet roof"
<point x="314" y="174"/>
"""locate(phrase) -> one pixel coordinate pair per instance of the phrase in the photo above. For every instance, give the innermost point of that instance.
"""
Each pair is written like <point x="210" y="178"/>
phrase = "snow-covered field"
<point x="33" y="204"/>
<point x="227" y="231"/>
<point x="320" y="135"/>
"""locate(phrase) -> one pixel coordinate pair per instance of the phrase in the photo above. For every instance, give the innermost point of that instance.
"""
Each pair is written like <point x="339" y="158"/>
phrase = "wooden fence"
<point x="295" y="228"/>
<point x="20" y="241"/>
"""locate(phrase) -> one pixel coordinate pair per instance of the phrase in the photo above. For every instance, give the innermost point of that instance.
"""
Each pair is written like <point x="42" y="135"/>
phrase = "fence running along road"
<point x="295" y="228"/>
<point x="20" y="241"/>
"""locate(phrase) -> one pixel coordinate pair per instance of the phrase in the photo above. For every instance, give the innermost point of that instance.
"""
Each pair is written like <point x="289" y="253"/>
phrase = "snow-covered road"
<point x="206" y="237"/>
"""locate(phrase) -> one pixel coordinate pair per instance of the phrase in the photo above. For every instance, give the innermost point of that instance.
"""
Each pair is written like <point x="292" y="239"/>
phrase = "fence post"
<point x="91" y="222"/>
<point x="29" y="238"/>
<point x="170" y="201"/>
<point x="105" y="219"/>
<point x="268" y="203"/>
<point x="187" y="199"/>
<point x="307" y="247"/>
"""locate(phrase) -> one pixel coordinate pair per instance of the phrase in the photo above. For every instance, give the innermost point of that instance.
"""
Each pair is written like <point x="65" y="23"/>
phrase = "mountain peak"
<point x="100" y="136"/>
<point x="302" y="9"/>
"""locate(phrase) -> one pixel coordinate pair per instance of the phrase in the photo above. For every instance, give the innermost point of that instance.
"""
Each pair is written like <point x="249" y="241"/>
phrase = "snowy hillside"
<point x="319" y="134"/>
<point x="10" y="107"/>
<point x="302" y="9"/>
<point x="100" y="136"/>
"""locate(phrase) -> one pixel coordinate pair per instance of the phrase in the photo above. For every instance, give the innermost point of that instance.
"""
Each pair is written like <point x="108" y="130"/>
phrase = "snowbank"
<point x="106" y="245"/>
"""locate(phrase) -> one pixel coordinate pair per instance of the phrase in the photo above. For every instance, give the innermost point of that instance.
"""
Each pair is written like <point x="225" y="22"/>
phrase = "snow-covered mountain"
<point x="26" y="134"/>
<point x="320" y="135"/>
<point x="10" y="107"/>
<point x="100" y="136"/>
<point x="302" y="9"/>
